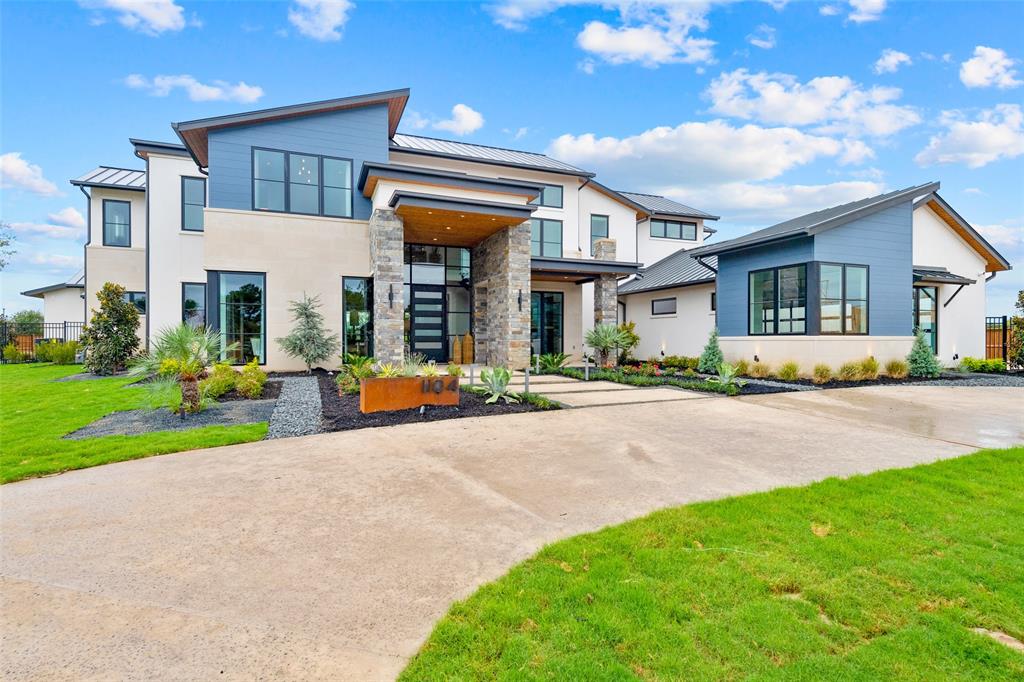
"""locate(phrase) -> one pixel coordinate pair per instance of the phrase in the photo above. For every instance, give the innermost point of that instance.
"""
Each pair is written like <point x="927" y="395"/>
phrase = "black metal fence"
<point x="997" y="337"/>
<point x="26" y="336"/>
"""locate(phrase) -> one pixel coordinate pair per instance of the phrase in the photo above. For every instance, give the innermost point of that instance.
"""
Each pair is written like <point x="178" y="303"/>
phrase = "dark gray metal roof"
<point x="76" y="281"/>
<point x="664" y="206"/>
<point x="676" y="270"/>
<point x="113" y="178"/>
<point x="414" y="144"/>
<point x="819" y="221"/>
<point x="433" y="176"/>
<point x="932" y="275"/>
<point x="143" y="147"/>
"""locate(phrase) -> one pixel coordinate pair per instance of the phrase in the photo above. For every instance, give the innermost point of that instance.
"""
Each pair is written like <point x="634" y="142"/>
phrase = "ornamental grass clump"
<point x="711" y="358"/>
<point x="921" y="361"/>
<point x="897" y="369"/>
<point x="869" y="369"/>
<point x="849" y="371"/>
<point x="760" y="370"/>
<point x="789" y="371"/>
<point x="742" y="368"/>
<point x="822" y="374"/>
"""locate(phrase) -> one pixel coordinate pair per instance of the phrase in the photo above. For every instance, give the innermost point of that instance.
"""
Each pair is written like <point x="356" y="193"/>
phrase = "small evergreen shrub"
<point x="455" y="370"/>
<point x="789" y="371"/>
<point x="12" y="354"/>
<point x="897" y="369"/>
<point x="251" y="380"/>
<point x="921" y="361"/>
<point x="760" y="370"/>
<point x="822" y="374"/>
<point x="849" y="371"/>
<point x="712" y="357"/>
<point x="347" y="384"/>
<point x="309" y="338"/>
<point x="869" y="369"/>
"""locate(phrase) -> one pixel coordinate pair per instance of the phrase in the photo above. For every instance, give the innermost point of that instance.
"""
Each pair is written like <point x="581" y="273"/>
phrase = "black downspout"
<point x="85" y="254"/>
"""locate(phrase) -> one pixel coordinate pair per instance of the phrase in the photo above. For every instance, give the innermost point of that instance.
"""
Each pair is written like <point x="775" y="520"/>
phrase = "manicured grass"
<point x="618" y="376"/>
<point x="35" y="412"/>
<point x="874" y="577"/>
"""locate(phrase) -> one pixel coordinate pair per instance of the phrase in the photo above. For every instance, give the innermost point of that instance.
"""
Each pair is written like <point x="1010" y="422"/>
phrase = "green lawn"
<point x="874" y="577"/>
<point x="36" y="411"/>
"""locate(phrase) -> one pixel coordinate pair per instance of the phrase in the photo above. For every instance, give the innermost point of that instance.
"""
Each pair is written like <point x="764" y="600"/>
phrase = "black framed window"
<point x="926" y="315"/>
<point x="550" y="196"/>
<point x="357" y="311"/>
<point x="598" y="229"/>
<point x="193" y="304"/>
<point x="193" y="201"/>
<point x="307" y="184"/>
<point x="241" y="315"/>
<point x="138" y="299"/>
<point x="777" y="301"/>
<point x="663" y="306"/>
<point x="545" y="238"/>
<point x="547" y="313"/>
<point x="450" y="266"/>
<point x="714" y="302"/>
<point x="117" y="223"/>
<point x="674" y="229"/>
<point x="843" y="298"/>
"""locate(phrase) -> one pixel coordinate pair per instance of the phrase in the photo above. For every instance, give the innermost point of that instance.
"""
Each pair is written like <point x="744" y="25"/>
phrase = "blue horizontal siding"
<point x="358" y="134"/>
<point x="733" y="269"/>
<point x="884" y="242"/>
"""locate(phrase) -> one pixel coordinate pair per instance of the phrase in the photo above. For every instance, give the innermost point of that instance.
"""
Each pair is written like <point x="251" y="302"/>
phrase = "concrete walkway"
<point x="332" y="556"/>
<point x="575" y="393"/>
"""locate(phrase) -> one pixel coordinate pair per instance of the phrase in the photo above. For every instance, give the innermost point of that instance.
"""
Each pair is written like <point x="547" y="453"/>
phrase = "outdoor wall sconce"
<point x="956" y="356"/>
<point x="756" y="359"/>
<point x="520" y="300"/>
<point x="391" y="295"/>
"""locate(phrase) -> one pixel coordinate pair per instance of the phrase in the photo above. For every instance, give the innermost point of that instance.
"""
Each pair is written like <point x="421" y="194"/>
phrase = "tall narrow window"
<point x="598" y="230"/>
<point x="241" y="317"/>
<point x="117" y="223"/>
<point x="357" y="309"/>
<point x="193" y="304"/>
<point x="762" y="302"/>
<point x="337" y="187"/>
<point x="268" y="180"/>
<point x="926" y="313"/>
<point x="303" y="183"/>
<point x="193" y="200"/>
<point x="843" y="297"/>
<point x="856" y="300"/>
<point x="546" y="238"/>
<point x="792" y="300"/>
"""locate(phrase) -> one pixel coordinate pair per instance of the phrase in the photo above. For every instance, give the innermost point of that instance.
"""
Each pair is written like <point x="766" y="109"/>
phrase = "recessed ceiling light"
<point x="430" y="213"/>
<point x="447" y="228"/>
<point x="462" y="216"/>
<point x="435" y="239"/>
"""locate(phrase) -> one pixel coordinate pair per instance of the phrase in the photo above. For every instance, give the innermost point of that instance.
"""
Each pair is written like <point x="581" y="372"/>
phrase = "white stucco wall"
<point x="808" y="351"/>
<point x="621" y="224"/>
<point x="574" y="315"/>
<point x="684" y="333"/>
<point x="962" y="322"/>
<point x="121" y="265"/>
<point x="63" y="305"/>
<point x="652" y="249"/>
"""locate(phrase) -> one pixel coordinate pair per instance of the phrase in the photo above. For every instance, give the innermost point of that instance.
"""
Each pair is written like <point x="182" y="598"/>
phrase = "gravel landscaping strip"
<point x="135" y="422"/>
<point x="298" y="410"/>
<point x="781" y="384"/>
<point x="1016" y="380"/>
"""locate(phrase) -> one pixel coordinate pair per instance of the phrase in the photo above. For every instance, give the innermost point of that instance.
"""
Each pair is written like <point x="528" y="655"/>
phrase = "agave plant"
<point x="552" y="362"/>
<point x="495" y="384"/>
<point x="605" y="338"/>
<point x="727" y="376"/>
<point x="182" y="353"/>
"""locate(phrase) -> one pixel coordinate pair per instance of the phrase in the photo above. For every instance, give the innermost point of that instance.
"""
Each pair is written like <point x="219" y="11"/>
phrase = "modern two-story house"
<point x="410" y="242"/>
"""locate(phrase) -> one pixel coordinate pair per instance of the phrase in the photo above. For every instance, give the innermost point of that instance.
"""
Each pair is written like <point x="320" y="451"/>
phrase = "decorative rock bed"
<point x="136" y="422"/>
<point x="298" y="411"/>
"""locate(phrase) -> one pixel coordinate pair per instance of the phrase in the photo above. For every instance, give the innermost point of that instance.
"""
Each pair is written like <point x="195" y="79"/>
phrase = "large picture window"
<point x="241" y="315"/>
<point x="193" y="200"/>
<point x="843" y="297"/>
<point x="357" y="309"/>
<point x="778" y="301"/>
<point x="546" y="238"/>
<point x="598" y="230"/>
<point x="117" y="223"/>
<point x="308" y="184"/>
<point x="550" y="196"/>
<point x="193" y="304"/>
<point x="673" y="229"/>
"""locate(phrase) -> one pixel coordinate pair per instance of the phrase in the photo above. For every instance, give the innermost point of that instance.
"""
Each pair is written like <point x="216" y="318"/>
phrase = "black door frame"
<point x="935" y="313"/>
<point x="541" y="308"/>
<point x="441" y="354"/>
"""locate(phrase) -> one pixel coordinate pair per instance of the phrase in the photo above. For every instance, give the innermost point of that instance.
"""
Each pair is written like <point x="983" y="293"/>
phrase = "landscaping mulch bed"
<point x="342" y="413"/>
<point x="135" y="422"/>
<point x="271" y="391"/>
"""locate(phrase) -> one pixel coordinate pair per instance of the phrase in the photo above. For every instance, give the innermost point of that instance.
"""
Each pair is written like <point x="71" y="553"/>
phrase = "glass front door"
<point x="926" y="314"/>
<point x="426" y="321"/>
<point x="546" y="322"/>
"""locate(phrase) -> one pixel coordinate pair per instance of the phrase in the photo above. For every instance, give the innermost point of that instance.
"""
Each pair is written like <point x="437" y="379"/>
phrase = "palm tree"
<point x="604" y="338"/>
<point x="182" y="353"/>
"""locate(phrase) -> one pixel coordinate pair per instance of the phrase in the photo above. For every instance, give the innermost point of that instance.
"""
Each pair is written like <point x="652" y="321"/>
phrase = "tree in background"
<point x="6" y="244"/>
<point x="27" y="322"/>
<point x="1015" y="335"/>
<point x="111" y="337"/>
<point x="309" y="339"/>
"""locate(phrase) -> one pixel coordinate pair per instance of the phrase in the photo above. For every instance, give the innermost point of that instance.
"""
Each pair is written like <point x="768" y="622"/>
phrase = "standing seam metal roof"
<point x="659" y="204"/>
<point x="476" y="152"/>
<point x="677" y="269"/>
<point x="117" y="178"/>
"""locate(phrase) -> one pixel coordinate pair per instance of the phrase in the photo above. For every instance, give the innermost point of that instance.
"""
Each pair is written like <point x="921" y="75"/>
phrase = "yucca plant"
<point x="605" y="338"/>
<point x="182" y="353"/>
<point x="430" y="369"/>
<point x="552" y="362"/>
<point x="495" y="383"/>
<point x="389" y="370"/>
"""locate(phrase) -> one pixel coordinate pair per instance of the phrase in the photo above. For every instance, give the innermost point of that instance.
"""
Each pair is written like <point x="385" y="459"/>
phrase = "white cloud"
<point x="414" y="120"/>
<point x="464" y="120"/>
<point x="763" y="204"/>
<point x="989" y="67"/>
<point x="829" y="10"/>
<point x="995" y="134"/>
<point x="862" y="11"/>
<point x="161" y="86"/>
<point x="515" y="15"/>
<point x="1003" y="235"/>
<point x="56" y="261"/>
<point x="834" y="103"/>
<point x="763" y="37"/>
<point x="975" y="190"/>
<point x="891" y="60"/>
<point x="151" y="17"/>
<point x="320" y="19"/>
<point x="47" y="230"/>
<point x="516" y="134"/>
<point x="17" y="173"/>
<point x="68" y="217"/>
<point x="855" y="152"/>
<point x="695" y="153"/>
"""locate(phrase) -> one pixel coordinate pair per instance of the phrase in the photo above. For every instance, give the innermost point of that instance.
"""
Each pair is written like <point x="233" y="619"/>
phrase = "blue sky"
<point x="756" y="111"/>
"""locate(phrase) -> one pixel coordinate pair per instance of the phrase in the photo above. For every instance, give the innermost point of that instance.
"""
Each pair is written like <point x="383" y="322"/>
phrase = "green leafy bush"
<point x="347" y="384"/>
<point x="495" y="384"/>
<point x="251" y="380"/>
<point x="221" y="380"/>
<point x="309" y="338"/>
<point x="605" y="338"/>
<point x="897" y="369"/>
<point x="64" y="353"/>
<point x="789" y="371"/>
<point x="993" y="366"/>
<point x="455" y="370"/>
<point x="44" y="350"/>
<point x="869" y="369"/>
<point x="111" y="338"/>
<point x="822" y="374"/>
<point x="921" y="361"/>
<point x="712" y="357"/>
<point x="679" y="362"/>
<point x="849" y="371"/>
<point x="630" y="340"/>
<point x="760" y="370"/>
<point x="12" y="354"/>
<point x="551" y="362"/>
<point x="183" y="353"/>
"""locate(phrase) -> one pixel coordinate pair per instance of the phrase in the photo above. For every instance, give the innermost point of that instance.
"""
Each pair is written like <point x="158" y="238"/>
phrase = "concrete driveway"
<point x="332" y="556"/>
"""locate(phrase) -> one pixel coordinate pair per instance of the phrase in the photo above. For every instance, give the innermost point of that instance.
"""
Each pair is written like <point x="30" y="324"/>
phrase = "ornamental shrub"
<point x="742" y="368"/>
<point x="309" y="339"/>
<point x="849" y="371"/>
<point x="64" y="352"/>
<point x="712" y="357"/>
<point x="12" y="354"/>
<point x="896" y="369"/>
<point x="630" y="340"/>
<point x="992" y="366"/>
<point x="44" y="351"/>
<point x="921" y="361"/>
<point x="222" y="379"/>
<point x="789" y="371"/>
<point x="251" y="380"/>
<point x="111" y="337"/>
<point x="869" y="369"/>
<point x="822" y="374"/>
<point x="760" y="370"/>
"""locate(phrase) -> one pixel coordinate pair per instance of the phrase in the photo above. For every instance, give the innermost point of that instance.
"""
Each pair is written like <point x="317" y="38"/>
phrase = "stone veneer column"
<point x="606" y="287"/>
<point x="387" y="235"/>
<point x="501" y="287"/>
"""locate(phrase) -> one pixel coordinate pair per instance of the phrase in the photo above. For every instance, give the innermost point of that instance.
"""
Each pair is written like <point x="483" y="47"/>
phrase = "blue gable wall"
<point x="732" y="278"/>
<point x="884" y="242"/>
<point x="358" y="134"/>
